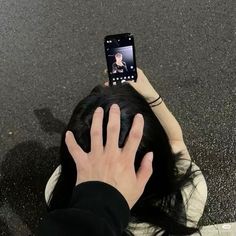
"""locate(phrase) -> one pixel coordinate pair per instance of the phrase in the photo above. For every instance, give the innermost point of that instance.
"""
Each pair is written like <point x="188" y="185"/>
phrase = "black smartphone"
<point x="120" y="57"/>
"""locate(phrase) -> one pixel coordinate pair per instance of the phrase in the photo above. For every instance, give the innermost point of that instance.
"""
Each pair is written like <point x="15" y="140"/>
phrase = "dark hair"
<point x="161" y="204"/>
<point x="118" y="54"/>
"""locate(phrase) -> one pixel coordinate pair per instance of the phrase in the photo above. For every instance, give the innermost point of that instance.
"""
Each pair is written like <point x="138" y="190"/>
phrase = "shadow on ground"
<point x="24" y="173"/>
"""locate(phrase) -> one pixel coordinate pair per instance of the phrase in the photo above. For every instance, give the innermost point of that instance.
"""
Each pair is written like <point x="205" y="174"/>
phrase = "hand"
<point x="111" y="164"/>
<point x="143" y="86"/>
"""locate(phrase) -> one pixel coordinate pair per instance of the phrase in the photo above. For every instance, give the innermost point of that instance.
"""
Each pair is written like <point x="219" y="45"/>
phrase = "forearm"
<point x="167" y="120"/>
<point x="96" y="208"/>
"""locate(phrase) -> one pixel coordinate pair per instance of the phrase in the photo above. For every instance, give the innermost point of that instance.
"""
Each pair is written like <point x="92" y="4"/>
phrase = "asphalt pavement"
<point x="52" y="55"/>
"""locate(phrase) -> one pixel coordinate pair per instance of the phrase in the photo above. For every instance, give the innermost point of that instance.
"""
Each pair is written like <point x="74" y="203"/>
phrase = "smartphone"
<point x="120" y="57"/>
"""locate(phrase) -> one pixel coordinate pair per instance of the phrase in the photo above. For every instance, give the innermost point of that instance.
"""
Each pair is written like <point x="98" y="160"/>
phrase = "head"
<point x="118" y="57"/>
<point x="156" y="205"/>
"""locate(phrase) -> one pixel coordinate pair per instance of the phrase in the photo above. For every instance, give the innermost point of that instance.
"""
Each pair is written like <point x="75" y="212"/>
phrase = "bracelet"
<point x="155" y="100"/>
<point x="156" y="104"/>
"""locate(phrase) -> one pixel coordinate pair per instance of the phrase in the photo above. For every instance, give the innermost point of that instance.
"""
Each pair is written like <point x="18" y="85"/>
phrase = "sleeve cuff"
<point x="103" y="200"/>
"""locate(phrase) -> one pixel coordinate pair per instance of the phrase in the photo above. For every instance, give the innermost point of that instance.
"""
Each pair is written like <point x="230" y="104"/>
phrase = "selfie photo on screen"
<point x="119" y="66"/>
<point x="120" y="59"/>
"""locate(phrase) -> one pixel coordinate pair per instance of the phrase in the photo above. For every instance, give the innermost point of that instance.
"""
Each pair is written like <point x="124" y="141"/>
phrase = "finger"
<point x="138" y="69"/>
<point x="96" y="131"/>
<point x="74" y="149"/>
<point x="134" y="137"/>
<point x="145" y="170"/>
<point x="106" y="83"/>
<point x="131" y="82"/>
<point x="113" y="127"/>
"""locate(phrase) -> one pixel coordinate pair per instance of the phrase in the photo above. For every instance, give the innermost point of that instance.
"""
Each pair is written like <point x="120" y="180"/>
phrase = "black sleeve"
<point x="96" y="208"/>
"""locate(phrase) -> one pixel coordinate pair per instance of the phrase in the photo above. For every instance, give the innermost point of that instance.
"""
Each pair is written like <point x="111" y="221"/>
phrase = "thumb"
<point x="106" y="83"/>
<point x="145" y="170"/>
<point x="75" y="150"/>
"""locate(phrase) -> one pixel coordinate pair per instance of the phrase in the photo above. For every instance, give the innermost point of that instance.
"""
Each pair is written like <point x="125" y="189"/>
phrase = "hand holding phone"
<point x="143" y="86"/>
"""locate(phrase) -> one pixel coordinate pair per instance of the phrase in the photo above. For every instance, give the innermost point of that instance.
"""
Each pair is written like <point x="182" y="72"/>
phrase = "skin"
<point x="119" y="61"/>
<point x="164" y="115"/>
<point x="111" y="164"/>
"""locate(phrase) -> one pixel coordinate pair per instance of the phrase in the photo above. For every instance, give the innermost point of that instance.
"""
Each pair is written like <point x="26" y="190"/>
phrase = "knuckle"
<point x="136" y="134"/>
<point x="72" y="150"/>
<point x="112" y="127"/>
<point x="95" y="132"/>
<point x="150" y="170"/>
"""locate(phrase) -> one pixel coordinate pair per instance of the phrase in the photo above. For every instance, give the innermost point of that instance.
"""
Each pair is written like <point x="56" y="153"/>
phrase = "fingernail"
<point x="99" y="110"/>
<point x="139" y="115"/>
<point x="115" y="106"/>
<point x="67" y="133"/>
<point x="150" y="156"/>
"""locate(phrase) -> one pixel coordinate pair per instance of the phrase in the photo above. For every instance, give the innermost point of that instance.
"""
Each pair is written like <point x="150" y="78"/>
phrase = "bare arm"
<point x="170" y="125"/>
<point x="167" y="120"/>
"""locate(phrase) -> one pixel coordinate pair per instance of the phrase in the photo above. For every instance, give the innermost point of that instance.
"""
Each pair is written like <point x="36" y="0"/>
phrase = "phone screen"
<point x="120" y="56"/>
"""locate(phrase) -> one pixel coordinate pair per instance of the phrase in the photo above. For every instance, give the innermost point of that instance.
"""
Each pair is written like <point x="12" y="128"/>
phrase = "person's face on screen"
<point x="118" y="58"/>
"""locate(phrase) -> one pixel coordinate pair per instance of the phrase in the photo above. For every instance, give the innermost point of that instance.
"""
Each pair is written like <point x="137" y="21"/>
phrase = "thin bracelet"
<point x="156" y="104"/>
<point x="155" y="100"/>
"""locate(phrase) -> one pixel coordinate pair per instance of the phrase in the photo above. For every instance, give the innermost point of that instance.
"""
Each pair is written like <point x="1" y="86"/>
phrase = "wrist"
<point x="156" y="102"/>
<point x="153" y="100"/>
<point x="152" y="97"/>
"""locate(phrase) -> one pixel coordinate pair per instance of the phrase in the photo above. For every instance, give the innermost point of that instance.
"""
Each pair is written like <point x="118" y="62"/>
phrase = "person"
<point x="175" y="195"/>
<point x="102" y="197"/>
<point x="119" y="66"/>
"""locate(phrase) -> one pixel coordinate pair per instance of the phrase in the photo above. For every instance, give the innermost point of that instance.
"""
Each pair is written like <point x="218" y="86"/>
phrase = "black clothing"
<point x="96" y="209"/>
<point x="119" y="69"/>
